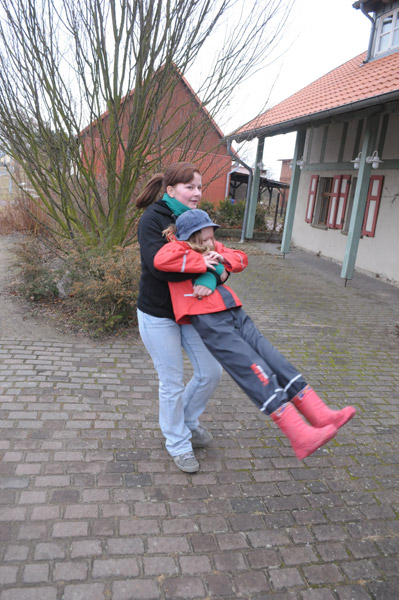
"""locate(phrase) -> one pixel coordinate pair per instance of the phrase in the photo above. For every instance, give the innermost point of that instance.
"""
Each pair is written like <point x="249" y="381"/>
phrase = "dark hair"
<point x="180" y="172"/>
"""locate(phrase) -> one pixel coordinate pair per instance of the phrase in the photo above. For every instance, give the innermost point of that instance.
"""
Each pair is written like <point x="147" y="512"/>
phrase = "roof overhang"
<point x="377" y="103"/>
<point x="370" y="5"/>
<point x="265" y="181"/>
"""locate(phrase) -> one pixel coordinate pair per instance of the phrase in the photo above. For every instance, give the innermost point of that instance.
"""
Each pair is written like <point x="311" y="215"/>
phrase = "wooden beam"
<point x="249" y="232"/>
<point x="359" y="200"/>
<point x="292" y="198"/>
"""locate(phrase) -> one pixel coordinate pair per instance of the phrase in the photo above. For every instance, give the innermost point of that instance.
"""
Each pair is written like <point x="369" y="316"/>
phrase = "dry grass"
<point x="19" y="214"/>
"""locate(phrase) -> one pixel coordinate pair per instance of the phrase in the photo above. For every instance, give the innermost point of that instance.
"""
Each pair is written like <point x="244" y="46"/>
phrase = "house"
<point x="269" y="189"/>
<point x="181" y="129"/>
<point x="344" y="195"/>
<point x="286" y="170"/>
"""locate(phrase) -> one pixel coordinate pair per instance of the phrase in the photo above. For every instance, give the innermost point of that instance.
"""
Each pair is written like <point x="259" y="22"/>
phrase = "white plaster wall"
<point x="314" y="151"/>
<point x="349" y="148"/>
<point x="333" y="142"/>
<point x="378" y="255"/>
<point x="391" y="147"/>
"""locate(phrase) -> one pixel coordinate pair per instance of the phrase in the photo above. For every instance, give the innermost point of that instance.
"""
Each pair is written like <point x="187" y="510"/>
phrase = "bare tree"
<point x="87" y="95"/>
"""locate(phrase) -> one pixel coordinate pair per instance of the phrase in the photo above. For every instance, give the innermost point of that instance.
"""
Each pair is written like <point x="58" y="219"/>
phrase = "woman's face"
<point x="188" y="194"/>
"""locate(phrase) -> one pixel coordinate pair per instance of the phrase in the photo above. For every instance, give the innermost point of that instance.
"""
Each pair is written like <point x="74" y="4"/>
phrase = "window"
<point x="338" y="200"/>
<point x="323" y="205"/>
<point x="330" y="202"/>
<point x="388" y="32"/>
<point x="311" y="198"/>
<point x="320" y="200"/>
<point x="372" y="205"/>
<point x="327" y="200"/>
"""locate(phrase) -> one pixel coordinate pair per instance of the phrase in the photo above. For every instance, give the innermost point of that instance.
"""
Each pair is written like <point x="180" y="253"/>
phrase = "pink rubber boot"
<point x="304" y="438"/>
<point x="317" y="412"/>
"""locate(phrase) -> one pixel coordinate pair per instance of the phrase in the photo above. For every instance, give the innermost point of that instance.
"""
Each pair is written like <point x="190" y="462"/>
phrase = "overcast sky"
<point x="322" y="36"/>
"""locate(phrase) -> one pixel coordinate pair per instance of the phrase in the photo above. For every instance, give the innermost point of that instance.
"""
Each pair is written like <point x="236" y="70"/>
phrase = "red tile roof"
<point x="345" y="88"/>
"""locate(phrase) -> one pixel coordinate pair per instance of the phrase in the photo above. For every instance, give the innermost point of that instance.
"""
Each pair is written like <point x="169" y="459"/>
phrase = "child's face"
<point x="208" y="237"/>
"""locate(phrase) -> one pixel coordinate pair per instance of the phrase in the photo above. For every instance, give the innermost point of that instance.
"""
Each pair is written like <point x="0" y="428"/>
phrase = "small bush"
<point x="99" y="287"/>
<point x="260" y="217"/>
<point x="37" y="278"/>
<point x="231" y="215"/>
<point x="104" y="288"/>
<point x="227" y="214"/>
<point x="210" y="208"/>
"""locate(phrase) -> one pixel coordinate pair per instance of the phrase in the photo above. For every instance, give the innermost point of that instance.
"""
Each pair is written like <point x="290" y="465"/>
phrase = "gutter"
<point x="229" y="174"/>
<point x="294" y="124"/>
<point x="249" y="187"/>
<point x="366" y="14"/>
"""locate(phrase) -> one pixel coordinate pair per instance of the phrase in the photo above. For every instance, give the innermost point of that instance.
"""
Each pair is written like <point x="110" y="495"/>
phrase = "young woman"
<point x="165" y="197"/>
<point x="272" y="383"/>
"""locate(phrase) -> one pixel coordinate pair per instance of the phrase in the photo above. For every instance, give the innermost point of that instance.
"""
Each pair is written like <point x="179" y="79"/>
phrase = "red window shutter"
<point x="314" y="180"/>
<point x="372" y="205"/>
<point x="342" y="201"/>
<point x="333" y="207"/>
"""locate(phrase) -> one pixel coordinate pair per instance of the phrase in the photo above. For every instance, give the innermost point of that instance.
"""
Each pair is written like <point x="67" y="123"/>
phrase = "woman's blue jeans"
<point x="180" y="405"/>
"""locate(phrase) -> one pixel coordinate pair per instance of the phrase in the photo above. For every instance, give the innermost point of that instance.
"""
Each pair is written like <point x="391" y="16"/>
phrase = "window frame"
<point x="379" y="34"/>
<point x="338" y="201"/>
<point x="313" y="187"/>
<point x="372" y="198"/>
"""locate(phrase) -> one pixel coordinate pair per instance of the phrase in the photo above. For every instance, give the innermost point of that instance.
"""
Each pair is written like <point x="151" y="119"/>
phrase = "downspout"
<point x="366" y="14"/>
<point x="229" y="174"/>
<point x="249" y="188"/>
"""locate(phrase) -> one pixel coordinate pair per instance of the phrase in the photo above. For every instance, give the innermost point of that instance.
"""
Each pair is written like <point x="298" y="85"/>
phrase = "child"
<point x="272" y="383"/>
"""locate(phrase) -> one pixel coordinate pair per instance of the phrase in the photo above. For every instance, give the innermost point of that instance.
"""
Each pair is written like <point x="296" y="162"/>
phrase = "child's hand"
<point x="212" y="258"/>
<point x="216" y="255"/>
<point x="201" y="290"/>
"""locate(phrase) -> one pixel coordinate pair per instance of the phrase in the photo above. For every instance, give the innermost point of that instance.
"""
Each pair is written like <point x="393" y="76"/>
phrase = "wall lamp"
<point x="300" y="163"/>
<point x="374" y="160"/>
<point x="356" y="162"/>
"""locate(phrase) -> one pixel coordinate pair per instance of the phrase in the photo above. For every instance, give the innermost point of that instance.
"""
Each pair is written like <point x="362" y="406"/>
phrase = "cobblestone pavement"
<point x="92" y="508"/>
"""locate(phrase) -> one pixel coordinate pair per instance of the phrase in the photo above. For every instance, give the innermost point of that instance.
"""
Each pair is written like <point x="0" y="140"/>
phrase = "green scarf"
<point x="175" y="206"/>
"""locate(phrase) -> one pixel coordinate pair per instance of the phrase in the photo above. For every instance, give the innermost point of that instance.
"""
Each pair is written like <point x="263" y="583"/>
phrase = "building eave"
<point x="284" y="127"/>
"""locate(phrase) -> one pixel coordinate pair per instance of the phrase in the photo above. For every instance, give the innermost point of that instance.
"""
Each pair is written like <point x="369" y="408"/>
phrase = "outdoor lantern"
<point x="356" y="162"/>
<point x="300" y="163"/>
<point x="374" y="159"/>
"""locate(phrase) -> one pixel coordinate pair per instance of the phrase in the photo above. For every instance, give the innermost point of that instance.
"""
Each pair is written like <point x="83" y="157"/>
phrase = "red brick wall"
<point x="184" y="113"/>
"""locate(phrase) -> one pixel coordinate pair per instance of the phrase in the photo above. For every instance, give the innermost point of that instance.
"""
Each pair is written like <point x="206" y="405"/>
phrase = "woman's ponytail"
<point x="151" y="191"/>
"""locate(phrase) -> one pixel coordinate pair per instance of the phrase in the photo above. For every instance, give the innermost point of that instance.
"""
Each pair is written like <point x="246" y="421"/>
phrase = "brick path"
<point x="92" y="508"/>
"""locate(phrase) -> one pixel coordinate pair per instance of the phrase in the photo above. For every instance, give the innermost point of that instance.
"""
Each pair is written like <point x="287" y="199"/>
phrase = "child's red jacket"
<point x="178" y="257"/>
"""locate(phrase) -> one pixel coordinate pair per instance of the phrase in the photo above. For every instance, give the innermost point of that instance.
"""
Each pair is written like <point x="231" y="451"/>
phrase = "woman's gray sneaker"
<point x="186" y="462"/>
<point x="200" y="437"/>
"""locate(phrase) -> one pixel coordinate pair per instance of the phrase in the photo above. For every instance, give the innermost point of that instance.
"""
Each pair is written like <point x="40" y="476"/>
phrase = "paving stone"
<point x="183" y="588"/>
<point x="70" y="571"/>
<point x="143" y="589"/>
<point x="86" y="591"/>
<point x="35" y="573"/>
<point x="8" y="575"/>
<point x="29" y="593"/>
<point x="159" y="565"/>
